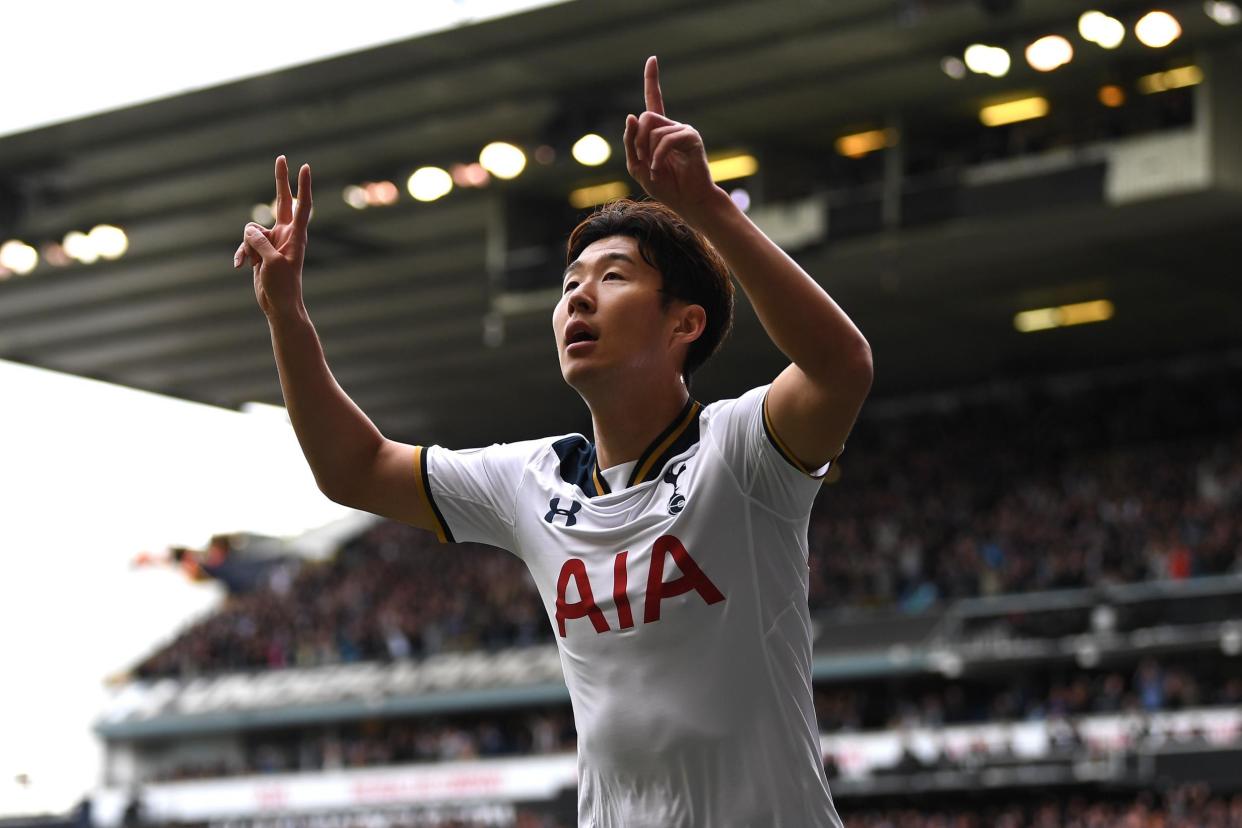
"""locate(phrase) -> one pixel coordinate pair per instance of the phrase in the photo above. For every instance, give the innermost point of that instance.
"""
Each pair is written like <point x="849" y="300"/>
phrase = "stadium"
<point x="1025" y="571"/>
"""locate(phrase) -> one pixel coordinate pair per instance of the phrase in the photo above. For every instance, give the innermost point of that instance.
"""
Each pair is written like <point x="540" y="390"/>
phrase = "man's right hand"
<point x="276" y="254"/>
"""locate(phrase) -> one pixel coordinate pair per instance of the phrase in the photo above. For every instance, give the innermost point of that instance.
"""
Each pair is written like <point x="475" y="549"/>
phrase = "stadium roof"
<point x="403" y="295"/>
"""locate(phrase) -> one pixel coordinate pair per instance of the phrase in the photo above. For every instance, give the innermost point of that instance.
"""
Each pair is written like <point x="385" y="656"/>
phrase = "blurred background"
<point x="1026" y="571"/>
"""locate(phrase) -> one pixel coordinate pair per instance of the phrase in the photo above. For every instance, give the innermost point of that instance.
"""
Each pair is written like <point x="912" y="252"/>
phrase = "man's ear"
<point x="691" y="322"/>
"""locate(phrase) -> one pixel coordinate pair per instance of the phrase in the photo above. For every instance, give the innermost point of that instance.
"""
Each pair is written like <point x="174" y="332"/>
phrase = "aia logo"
<point x="678" y="501"/>
<point x="555" y="510"/>
<point x="691" y="579"/>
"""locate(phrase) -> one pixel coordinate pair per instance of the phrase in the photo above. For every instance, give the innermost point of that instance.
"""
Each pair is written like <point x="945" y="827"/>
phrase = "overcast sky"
<point x="92" y="474"/>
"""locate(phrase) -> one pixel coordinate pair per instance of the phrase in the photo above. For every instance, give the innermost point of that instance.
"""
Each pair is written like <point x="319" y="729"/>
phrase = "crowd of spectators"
<point x="1149" y="687"/>
<point x="1187" y="806"/>
<point x="1032" y="695"/>
<point x="1011" y="490"/>
<point x="477" y="735"/>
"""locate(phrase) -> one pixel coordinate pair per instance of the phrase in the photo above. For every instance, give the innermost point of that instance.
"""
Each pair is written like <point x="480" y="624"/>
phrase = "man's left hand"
<point x="665" y="157"/>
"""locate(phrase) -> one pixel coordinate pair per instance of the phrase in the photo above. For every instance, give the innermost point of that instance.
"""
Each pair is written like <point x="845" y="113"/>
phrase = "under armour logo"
<point x="554" y="509"/>
<point x="678" y="501"/>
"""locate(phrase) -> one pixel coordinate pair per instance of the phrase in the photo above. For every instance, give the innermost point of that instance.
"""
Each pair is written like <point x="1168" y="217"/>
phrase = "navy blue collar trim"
<point x="579" y="465"/>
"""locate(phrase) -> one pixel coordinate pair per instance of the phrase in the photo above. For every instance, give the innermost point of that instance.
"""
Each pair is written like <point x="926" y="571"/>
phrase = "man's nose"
<point x="581" y="300"/>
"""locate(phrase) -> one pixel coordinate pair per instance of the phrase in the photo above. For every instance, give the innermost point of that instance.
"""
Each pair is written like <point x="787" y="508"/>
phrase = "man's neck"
<point x="626" y="423"/>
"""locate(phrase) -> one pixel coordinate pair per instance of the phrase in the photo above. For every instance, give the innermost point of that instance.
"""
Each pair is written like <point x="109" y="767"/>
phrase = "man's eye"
<point x="608" y="276"/>
<point x="570" y="286"/>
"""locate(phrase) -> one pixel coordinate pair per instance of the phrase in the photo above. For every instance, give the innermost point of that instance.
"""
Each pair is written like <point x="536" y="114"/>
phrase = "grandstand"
<point x="1026" y="572"/>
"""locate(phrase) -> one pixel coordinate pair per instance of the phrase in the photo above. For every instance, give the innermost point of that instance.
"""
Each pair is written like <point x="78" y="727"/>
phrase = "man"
<point x="671" y="553"/>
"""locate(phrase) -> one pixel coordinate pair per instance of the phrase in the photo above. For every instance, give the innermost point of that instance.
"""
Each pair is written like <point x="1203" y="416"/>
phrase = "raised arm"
<point x="813" y="403"/>
<point x="353" y="463"/>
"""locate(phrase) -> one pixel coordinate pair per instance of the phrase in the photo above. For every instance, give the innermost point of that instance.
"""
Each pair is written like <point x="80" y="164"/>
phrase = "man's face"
<point x="611" y="318"/>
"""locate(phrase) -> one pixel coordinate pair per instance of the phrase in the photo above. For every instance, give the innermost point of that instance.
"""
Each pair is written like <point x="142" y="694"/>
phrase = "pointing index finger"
<point x="284" y="199"/>
<point x="651" y="86"/>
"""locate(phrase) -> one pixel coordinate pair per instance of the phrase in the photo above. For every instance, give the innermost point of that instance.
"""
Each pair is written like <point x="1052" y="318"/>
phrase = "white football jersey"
<point x="678" y="598"/>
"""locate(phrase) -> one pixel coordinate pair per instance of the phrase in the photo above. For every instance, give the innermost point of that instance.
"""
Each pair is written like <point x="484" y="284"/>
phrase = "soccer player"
<point x="671" y="551"/>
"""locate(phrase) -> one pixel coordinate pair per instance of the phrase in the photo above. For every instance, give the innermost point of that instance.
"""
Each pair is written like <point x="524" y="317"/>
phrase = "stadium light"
<point x="469" y="175"/>
<point x="1080" y="313"/>
<point x="109" y="241"/>
<point x="79" y="247"/>
<point x="1023" y="109"/>
<point x="859" y="144"/>
<point x="55" y="255"/>
<point x="502" y="160"/>
<point x="1224" y="12"/>
<point x="733" y="166"/>
<point x="1172" y="79"/>
<point x="18" y="257"/>
<point x="1049" y="53"/>
<point x="264" y="214"/>
<point x="741" y="197"/>
<point x="585" y="197"/>
<point x="1112" y="95"/>
<point x="381" y="193"/>
<point x="429" y="183"/>
<point x="1099" y="28"/>
<point x="1157" y="29"/>
<point x="355" y="197"/>
<point x="591" y="150"/>
<point x="987" y="60"/>
<point x="953" y="67"/>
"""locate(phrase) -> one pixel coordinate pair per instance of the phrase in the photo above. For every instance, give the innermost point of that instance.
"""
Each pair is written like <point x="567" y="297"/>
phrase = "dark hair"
<point x="691" y="268"/>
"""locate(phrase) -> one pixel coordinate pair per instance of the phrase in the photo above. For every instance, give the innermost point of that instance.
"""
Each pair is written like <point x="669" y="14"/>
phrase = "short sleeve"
<point x="473" y="491"/>
<point x="766" y="470"/>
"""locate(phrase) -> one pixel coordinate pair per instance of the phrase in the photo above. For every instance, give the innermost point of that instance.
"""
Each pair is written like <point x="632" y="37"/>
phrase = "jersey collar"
<point x="580" y="466"/>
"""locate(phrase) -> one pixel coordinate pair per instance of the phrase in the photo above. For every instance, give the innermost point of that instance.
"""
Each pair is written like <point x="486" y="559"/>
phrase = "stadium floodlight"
<point x="1079" y="313"/>
<point x="355" y="197"/>
<point x="1112" y="95"/>
<point x="952" y="66"/>
<point x="1048" y="53"/>
<point x="264" y="214"/>
<point x="109" y="241"/>
<point x="591" y="150"/>
<point x="1172" y="79"/>
<point x="79" y="247"/>
<point x="502" y="160"/>
<point x="987" y="60"/>
<point x="429" y="183"/>
<point x="585" y="197"/>
<point x="381" y="193"/>
<point x="1157" y="29"/>
<point x="1009" y="112"/>
<point x="469" y="175"/>
<point x="55" y="255"/>
<point x="858" y="144"/>
<point x="1099" y="28"/>
<point x="729" y="167"/>
<point x="1224" y="12"/>
<point x="18" y="257"/>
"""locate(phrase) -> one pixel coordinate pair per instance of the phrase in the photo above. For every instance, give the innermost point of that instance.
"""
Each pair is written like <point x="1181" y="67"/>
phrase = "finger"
<point x="284" y="199"/>
<point x="647" y="122"/>
<point x="630" y="138"/>
<point x="685" y="139"/>
<point x="258" y="243"/>
<point x="239" y="255"/>
<point x="305" y="201"/>
<point x="651" y="86"/>
<point x="653" y="142"/>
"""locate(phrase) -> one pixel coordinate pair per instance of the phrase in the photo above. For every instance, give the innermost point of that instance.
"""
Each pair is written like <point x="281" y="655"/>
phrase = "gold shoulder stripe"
<point x="780" y="446"/>
<point x="443" y="533"/>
